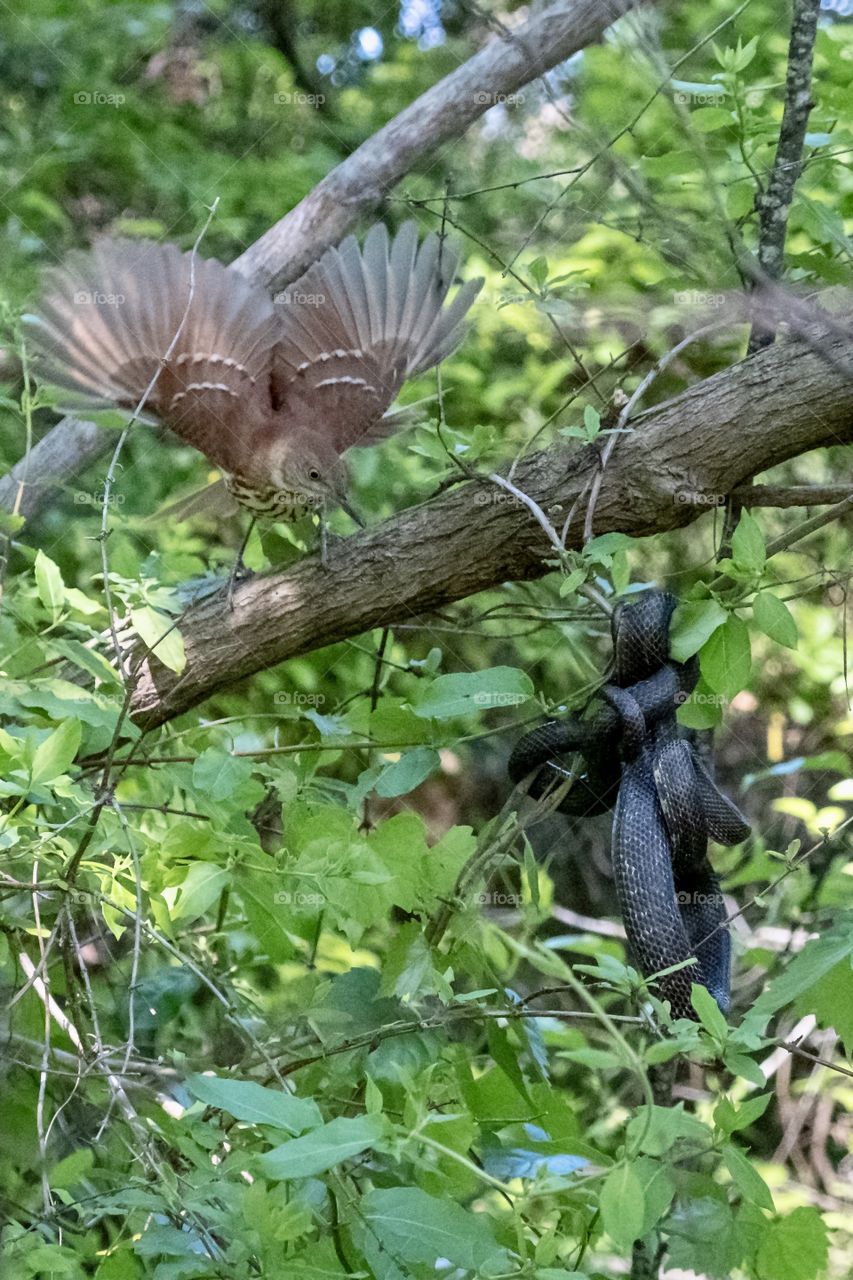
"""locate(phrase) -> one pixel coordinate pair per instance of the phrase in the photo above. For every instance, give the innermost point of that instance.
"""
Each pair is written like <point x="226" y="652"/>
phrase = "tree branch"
<point x="355" y="187"/>
<point x="792" y="495"/>
<point x="774" y="204"/>
<point x="684" y="457"/>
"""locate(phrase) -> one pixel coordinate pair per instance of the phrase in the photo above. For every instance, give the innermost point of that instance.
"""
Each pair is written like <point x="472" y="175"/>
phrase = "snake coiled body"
<point x="666" y="804"/>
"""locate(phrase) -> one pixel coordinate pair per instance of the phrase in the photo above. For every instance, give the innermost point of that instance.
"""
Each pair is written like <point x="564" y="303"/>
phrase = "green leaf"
<point x="323" y="1148"/>
<point x="740" y="200"/>
<point x="740" y="1065"/>
<point x="420" y="1229"/>
<point x="54" y="756"/>
<point x="539" y="270"/>
<point x="267" y="917"/>
<point x="220" y="774"/>
<point x="623" y="1205"/>
<point x="794" y="1247"/>
<point x="726" y="659"/>
<point x="88" y="660"/>
<point x="816" y="959"/>
<point x="709" y="1012"/>
<point x="703" y="709"/>
<point x="744" y="54"/>
<point x="748" y="1181"/>
<point x="730" y="1119"/>
<point x="49" y="584"/>
<point x="403" y="775"/>
<point x="774" y="619"/>
<point x="668" y="1125"/>
<point x="69" y="1172"/>
<point x="255" y="1104"/>
<point x="748" y="549"/>
<point x="709" y="119"/>
<point x="572" y="581"/>
<point x="591" y="421"/>
<point x="159" y="632"/>
<point x="693" y="622"/>
<point x="831" y="1002"/>
<point x="600" y="550"/>
<point x="202" y="886"/>
<point x="669" y="164"/>
<point x="463" y="692"/>
<point x="701" y="1237"/>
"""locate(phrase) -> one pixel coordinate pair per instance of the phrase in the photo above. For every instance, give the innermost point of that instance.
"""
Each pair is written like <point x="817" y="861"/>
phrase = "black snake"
<point x="666" y="803"/>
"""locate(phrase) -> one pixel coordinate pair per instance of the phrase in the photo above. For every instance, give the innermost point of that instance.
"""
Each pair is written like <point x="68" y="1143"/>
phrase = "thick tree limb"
<point x="684" y="457"/>
<point x="792" y="495"/>
<point x="355" y="187"/>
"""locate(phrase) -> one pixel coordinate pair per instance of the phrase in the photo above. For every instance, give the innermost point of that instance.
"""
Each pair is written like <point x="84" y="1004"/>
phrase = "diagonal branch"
<point x="685" y="457"/>
<point x="355" y="187"/>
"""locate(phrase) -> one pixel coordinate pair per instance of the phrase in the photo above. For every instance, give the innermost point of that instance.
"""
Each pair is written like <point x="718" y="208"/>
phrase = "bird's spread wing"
<point x="358" y="324"/>
<point x="107" y="318"/>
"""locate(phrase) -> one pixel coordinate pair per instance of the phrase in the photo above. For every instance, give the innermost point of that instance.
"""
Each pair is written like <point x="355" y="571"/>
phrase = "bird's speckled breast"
<point x="288" y="505"/>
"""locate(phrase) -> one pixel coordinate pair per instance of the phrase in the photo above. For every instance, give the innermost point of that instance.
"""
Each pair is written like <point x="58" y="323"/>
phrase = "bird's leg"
<point x="324" y="538"/>
<point x="238" y="566"/>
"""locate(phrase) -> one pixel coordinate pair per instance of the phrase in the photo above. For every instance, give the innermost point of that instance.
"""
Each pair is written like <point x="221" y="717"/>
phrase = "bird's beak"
<point x="352" y="513"/>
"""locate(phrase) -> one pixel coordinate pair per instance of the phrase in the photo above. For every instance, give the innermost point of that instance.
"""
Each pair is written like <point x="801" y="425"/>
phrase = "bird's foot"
<point x="239" y="573"/>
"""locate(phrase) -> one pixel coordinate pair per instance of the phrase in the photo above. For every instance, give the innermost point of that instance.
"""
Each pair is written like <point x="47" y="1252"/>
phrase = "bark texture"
<point x="683" y="457"/>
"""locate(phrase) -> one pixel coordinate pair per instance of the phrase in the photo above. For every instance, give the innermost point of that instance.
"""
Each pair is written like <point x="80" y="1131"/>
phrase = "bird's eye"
<point x="313" y="474"/>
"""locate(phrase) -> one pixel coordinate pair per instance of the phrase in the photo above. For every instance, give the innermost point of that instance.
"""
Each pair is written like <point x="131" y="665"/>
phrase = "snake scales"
<point x="666" y="804"/>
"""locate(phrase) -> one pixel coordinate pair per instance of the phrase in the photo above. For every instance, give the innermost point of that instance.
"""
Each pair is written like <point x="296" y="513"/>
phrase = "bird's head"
<point x="309" y="467"/>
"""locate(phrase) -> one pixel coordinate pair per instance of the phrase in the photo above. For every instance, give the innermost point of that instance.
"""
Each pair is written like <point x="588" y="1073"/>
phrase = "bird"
<point x="273" y="391"/>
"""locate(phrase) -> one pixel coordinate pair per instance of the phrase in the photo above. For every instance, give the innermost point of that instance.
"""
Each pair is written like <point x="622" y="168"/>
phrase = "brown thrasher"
<point x="272" y="392"/>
